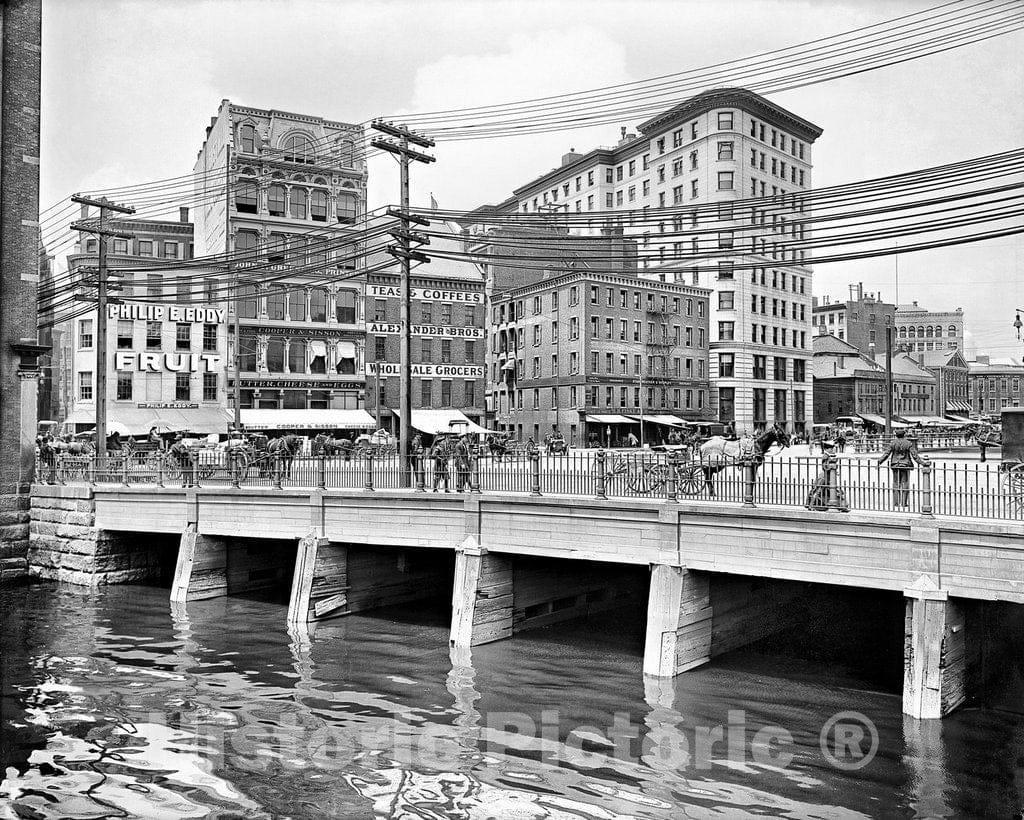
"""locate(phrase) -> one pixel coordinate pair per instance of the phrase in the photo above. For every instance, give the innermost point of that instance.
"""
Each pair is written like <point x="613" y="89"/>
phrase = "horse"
<point x="282" y="452"/>
<point x="718" y="452"/>
<point x="82" y="447"/>
<point x="498" y="446"/>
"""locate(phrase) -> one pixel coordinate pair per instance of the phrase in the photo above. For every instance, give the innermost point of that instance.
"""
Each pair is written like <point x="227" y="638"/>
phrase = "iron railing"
<point x="948" y="488"/>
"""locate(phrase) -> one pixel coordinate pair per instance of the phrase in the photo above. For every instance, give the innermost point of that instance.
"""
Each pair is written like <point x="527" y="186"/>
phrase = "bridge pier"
<point x="935" y="653"/>
<point x="212" y="566"/>
<point x="481" y="596"/>
<point x="679" y="621"/>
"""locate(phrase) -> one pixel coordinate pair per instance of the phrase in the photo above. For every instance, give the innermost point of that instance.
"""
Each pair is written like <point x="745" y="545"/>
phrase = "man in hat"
<point x="902" y="456"/>
<point x="184" y="459"/>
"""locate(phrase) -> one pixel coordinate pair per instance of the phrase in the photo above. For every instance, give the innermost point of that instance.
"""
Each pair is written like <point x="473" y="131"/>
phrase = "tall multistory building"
<point x="994" y="384"/>
<point x="713" y="192"/>
<point x="920" y="329"/>
<point x="284" y="194"/>
<point x="861" y="320"/>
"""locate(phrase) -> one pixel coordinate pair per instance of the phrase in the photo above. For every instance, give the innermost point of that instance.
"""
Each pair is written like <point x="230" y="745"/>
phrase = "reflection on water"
<point x="116" y="705"/>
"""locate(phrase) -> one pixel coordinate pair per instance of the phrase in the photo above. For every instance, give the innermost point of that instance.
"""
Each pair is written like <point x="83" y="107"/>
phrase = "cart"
<point x="1012" y="467"/>
<point x="644" y="473"/>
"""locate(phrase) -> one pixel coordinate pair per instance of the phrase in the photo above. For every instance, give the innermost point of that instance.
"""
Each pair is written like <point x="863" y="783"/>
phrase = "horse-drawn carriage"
<point x="379" y="443"/>
<point x="694" y="466"/>
<point x="555" y="444"/>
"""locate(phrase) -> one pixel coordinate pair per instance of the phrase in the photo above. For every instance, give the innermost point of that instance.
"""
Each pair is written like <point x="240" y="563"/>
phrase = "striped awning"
<point x="956" y="406"/>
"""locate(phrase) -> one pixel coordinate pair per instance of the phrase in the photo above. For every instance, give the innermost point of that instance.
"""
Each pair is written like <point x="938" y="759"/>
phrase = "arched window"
<point x="345" y="307"/>
<point x="298" y="148"/>
<point x="246" y="193"/>
<point x="345" y="151"/>
<point x="317" y="356"/>
<point x="247" y="139"/>
<point x="920" y="331"/>
<point x="318" y="305"/>
<point x="929" y="332"/>
<point x="320" y="181"/>
<point x="903" y="333"/>
<point x="347" y="210"/>
<point x="952" y="330"/>
<point x="298" y="203"/>
<point x="318" y="206"/>
<point x="275" y="248"/>
<point x="275" y="355"/>
<point x="913" y="332"/>
<point x="275" y="302"/>
<point x="247" y="305"/>
<point x="277" y="198"/>
<point x="246" y="242"/>
<point x="297" y="356"/>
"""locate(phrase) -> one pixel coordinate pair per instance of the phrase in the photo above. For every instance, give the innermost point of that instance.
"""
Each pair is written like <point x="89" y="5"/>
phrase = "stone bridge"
<point x="716" y="576"/>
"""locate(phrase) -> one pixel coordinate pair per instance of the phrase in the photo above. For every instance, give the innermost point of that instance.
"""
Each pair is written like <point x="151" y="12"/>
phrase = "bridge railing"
<point x="949" y="488"/>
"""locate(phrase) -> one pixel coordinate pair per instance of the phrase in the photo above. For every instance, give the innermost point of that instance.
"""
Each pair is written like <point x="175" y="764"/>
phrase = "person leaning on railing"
<point x="902" y="455"/>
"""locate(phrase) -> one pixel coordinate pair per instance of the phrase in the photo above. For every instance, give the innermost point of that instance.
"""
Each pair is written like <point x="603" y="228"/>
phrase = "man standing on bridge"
<point x="902" y="455"/>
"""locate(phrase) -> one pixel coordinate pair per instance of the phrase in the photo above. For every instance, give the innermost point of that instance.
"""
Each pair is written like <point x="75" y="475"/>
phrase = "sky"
<point x="130" y="85"/>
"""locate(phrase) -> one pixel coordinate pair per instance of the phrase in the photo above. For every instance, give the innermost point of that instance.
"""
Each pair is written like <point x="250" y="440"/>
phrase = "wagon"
<point x="645" y="473"/>
<point x="1012" y="466"/>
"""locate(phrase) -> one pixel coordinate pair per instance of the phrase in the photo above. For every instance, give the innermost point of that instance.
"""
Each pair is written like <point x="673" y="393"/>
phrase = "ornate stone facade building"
<point x="283" y="194"/>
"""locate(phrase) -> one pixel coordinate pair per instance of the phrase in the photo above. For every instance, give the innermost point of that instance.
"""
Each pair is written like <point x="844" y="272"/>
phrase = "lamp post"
<point x="1017" y="324"/>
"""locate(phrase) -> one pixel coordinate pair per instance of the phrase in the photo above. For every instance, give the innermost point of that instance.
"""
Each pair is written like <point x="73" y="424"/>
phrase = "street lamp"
<point x="1017" y="324"/>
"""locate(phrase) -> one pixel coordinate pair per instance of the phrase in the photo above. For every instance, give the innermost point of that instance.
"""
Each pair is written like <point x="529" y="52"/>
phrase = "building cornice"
<point x="602" y="278"/>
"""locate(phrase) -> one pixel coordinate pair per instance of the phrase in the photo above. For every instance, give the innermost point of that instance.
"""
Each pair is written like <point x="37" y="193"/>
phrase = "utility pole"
<point x="228" y="250"/>
<point x="888" y="379"/>
<point x="405" y="254"/>
<point x="100" y="340"/>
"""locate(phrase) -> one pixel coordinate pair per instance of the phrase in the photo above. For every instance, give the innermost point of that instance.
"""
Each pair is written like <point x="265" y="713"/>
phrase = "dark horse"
<point x="327" y="445"/>
<point x="718" y="452"/>
<point x="282" y="452"/>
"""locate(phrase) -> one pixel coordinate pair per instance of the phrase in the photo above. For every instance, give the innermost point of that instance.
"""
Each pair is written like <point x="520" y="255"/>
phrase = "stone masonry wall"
<point x="14" y="536"/>
<point x="64" y="544"/>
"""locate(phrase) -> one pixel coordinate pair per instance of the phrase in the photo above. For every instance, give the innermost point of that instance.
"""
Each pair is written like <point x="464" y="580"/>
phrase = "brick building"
<point x="846" y="382"/>
<point x="20" y="40"/>
<point x="921" y="330"/>
<point x="861" y="320"/>
<point x="588" y="352"/>
<point x="994" y="385"/>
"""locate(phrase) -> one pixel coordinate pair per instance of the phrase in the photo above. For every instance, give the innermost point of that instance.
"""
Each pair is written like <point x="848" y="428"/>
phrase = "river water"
<point x="116" y="705"/>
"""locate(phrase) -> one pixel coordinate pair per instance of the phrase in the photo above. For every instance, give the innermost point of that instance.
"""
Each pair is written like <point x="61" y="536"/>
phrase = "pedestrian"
<point x="902" y="456"/>
<point x="841" y="441"/>
<point x="439" y="452"/>
<point x="531" y="446"/>
<point x="983" y="446"/>
<point x="416" y="454"/>
<point x="184" y="458"/>
<point x="48" y="457"/>
<point x="462" y="465"/>
<point x="632" y="440"/>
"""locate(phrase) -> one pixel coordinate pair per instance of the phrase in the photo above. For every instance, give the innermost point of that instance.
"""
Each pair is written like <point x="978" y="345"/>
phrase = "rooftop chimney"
<point x="572" y="156"/>
<point x="183" y="214"/>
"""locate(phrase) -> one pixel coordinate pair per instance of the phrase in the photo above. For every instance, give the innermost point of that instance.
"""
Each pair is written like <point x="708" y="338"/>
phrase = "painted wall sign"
<point x="269" y="384"/>
<point x="464" y="371"/>
<point x="172" y="362"/>
<point x="169" y="313"/>
<point x="438" y="331"/>
<point x="474" y="297"/>
<point x="168" y="405"/>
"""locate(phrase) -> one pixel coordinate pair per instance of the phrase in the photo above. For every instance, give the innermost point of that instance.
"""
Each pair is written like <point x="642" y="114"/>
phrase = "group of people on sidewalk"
<point x="444" y="452"/>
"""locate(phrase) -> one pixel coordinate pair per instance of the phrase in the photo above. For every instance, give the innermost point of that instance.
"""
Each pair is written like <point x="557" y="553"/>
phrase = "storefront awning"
<point x="434" y="422"/>
<point x="670" y="421"/>
<point x="611" y="418"/>
<point x="930" y="421"/>
<point x="961" y="420"/>
<point x="957" y="406"/>
<point x="880" y="421"/>
<point x="302" y="419"/>
<point x="138" y="421"/>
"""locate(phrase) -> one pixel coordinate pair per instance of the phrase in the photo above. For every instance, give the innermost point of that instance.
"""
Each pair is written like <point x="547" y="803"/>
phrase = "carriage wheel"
<point x="240" y="467"/>
<point x="690" y="479"/>
<point x="1014" y="480"/>
<point x="644" y="478"/>
<point x="172" y="469"/>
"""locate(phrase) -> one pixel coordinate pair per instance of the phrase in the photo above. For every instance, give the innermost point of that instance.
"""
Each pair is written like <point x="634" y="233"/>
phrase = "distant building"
<point x="282" y="193"/>
<point x="921" y="330"/>
<point x="846" y="382"/>
<point x="587" y="352"/>
<point x="993" y="385"/>
<point x="951" y="380"/>
<point x="914" y="388"/>
<point x="861" y="320"/>
<point x="49" y="364"/>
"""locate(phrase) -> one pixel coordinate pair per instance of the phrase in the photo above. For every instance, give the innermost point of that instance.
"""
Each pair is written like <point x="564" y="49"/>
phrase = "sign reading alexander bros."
<point x="461" y="371"/>
<point x="168" y="313"/>
<point x="441" y="331"/>
<point x="474" y="297"/>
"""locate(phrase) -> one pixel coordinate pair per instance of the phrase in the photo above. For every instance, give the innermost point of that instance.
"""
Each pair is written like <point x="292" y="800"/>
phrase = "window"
<point x="276" y="302"/>
<point x="247" y="139"/>
<point x="246" y="196"/>
<point x="297" y="356"/>
<point x="724" y="181"/>
<point x="245" y="242"/>
<point x="85" y="385"/>
<point x="760" y="367"/>
<point x="426" y="388"/>
<point x="298" y="203"/>
<point x="725" y="150"/>
<point x="298" y="148"/>
<point x="446" y="351"/>
<point x="124" y="387"/>
<point x="693" y="188"/>
<point x="124" y="334"/>
<point x="725" y="271"/>
<point x="318" y="206"/>
<point x="446" y="313"/>
<point x="726" y="331"/>
<point x="799" y="370"/>
<point x="145" y="247"/>
<point x="121" y="247"/>
<point x="210" y="338"/>
<point x="693" y="130"/>
<point x="347" y="208"/>
<point x="209" y="387"/>
<point x="182" y="387"/>
<point x="726" y="300"/>
<point x="183" y="336"/>
<point x="726" y="365"/>
<point x="170" y="250"/>
<point x="724" y="121"/>
<point x="779" y="369"/>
